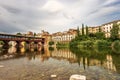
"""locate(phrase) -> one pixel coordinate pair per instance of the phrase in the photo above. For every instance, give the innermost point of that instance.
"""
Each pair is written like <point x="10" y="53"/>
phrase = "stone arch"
<point x="12" y="43"/>
<point x="23" y="43"/>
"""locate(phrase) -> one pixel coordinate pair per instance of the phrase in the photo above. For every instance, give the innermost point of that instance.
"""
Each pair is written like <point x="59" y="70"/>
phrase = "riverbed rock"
<point x="1" y="66"/>
<point x="77" y="77"/>
<point x="53" y="76"/>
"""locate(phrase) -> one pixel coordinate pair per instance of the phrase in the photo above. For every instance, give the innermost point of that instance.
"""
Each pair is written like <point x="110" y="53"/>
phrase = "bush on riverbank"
<point x="62" y="44"/>
<point x="87" y="43"/>
<point x="116" y="46"/>
<point x="103" y="43"/>
<point x="73" y="43"/>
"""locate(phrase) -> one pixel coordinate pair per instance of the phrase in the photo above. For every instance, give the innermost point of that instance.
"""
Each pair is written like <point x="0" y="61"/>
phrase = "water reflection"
<point x="100" y="57"/>
<point x="23" y="50"/>
<point x="12" y="50"/>
<point x="109" y="63"/>
<point x="86" y="58"/>
<point x="64" y="54"/>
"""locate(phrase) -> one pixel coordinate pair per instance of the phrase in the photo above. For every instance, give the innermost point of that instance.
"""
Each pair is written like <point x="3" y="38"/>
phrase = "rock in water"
<point x="53" y="76"/>
<point x="77" y="77"/>
<point x="1" y="66"/>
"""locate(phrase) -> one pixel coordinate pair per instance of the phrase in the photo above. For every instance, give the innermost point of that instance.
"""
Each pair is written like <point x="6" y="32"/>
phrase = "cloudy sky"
<point x="55" y="15"/>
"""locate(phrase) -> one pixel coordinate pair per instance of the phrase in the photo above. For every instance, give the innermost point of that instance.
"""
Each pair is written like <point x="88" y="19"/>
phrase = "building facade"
<point x="93" y="29"/>
<point x="106" y="28"/>
<point x="65" y="36"/>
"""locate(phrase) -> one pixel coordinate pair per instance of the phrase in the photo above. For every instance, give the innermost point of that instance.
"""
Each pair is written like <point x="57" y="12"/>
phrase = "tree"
<point x="91" y="35"/>
<point x="19" y="34"/>
<point x="114" y="32"/>
<point x="35" y="34"/>
<point x="83" y="29"/>
<point x="78" y="32"/>
<point x="87" y="31"/>
<point x="100" y="29"/>
<point x="100" y="35"/>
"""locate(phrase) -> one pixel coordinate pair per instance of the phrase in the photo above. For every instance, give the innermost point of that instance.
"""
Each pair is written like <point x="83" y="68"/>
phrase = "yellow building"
<point x="93" y="29"/>
<point x="108" y="26"/>
<point x="90" y="30"/>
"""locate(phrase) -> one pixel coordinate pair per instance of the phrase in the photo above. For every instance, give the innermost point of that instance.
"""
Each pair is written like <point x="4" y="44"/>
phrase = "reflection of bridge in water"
<point x="14" y="52"/>
<point x="18" y="39"/>
<point x="64" y="54"/>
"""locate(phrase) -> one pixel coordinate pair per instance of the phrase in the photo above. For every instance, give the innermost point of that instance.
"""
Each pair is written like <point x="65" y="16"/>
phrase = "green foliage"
<point x="35" y="34"/>
<point x="51" y="43"/>
<point x="51" y="48"/>
<point x="83" y="30"/>
<point x="91" y="35"/>
<point x="73" y="43"/>
<point x="100" y="35"/>
<point x="78" y="32"/>
<point x="87" y="43"/>
<point x="87" y="31"/>
<point x="116" y="61"/>
<point x="100" y="29"/>
<point x="103" y="43"/>
<point x="81" y="38"/>
<point x="1" y="42"/>
<point x="19" y="34"/>
<point x="62" y="44"/>
<point x="114" y="32"/>
<point x="116" y="46"/>
<point x="90" y="53"/>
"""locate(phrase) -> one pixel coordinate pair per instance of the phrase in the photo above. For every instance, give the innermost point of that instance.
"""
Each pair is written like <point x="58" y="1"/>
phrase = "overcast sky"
<point x="55" y="15"/>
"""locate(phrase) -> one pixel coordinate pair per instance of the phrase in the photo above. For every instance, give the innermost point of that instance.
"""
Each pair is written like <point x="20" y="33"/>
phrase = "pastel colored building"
<point x="65" y="36"/>
<point x="106" y="28"/>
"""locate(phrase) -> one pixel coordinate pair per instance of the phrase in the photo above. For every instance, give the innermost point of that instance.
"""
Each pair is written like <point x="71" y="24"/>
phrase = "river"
<point x="35" y="64"/>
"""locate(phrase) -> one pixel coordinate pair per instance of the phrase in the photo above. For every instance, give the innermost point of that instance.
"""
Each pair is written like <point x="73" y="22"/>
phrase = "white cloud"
<point x="53" y="6"/>
<point x="54" y="15"/>
<point x="107" y="2"/>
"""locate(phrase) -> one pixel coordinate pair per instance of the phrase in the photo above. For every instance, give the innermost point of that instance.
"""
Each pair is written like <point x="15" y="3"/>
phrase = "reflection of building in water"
<point x="72" y="58"/>
<point x="46" y="54"/>
<point x="42" y="55"/>
<point x="64" y="54"/>
<point x="109" y="63"/>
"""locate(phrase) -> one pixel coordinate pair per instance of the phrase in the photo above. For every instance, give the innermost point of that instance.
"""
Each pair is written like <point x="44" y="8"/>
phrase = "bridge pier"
<point x="18" y="44"/>
<point x="31" y="44"/>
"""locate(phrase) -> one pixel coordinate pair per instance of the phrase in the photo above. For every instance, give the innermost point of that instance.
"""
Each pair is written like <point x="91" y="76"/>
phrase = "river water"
<point x="34" y="64"/>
